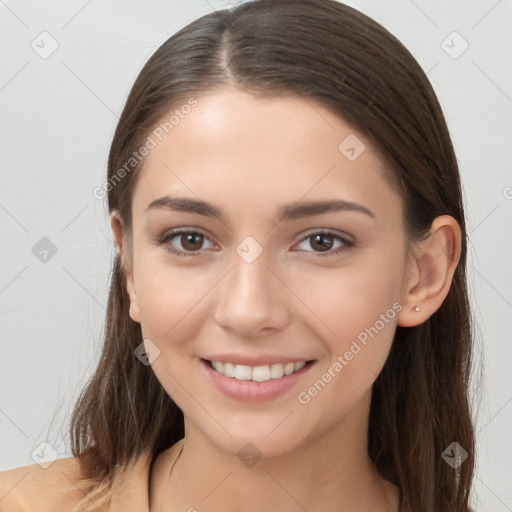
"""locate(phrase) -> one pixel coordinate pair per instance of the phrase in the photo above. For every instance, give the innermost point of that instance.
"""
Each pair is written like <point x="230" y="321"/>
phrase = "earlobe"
<point x="431" y="271"/>
<point x="119" y="238"/>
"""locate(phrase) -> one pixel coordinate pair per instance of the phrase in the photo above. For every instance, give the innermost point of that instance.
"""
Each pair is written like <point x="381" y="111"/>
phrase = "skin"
<point x="248" y="157"/>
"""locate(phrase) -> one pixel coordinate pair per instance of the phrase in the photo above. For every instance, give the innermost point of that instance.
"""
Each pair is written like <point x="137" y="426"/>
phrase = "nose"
<point x="251" y="300"/>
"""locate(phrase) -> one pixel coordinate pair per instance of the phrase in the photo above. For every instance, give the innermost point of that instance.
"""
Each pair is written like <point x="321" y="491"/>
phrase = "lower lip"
<point x="252" y="391"/>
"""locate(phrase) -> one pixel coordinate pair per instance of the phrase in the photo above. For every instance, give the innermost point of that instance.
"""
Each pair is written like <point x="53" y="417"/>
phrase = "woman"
<point x="288" y="321"/>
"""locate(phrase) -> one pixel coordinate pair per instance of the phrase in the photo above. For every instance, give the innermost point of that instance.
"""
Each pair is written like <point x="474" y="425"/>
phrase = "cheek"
<point x="358" y="306"/>
<point x="170" y="300"/>
<point x="361" y="312"/>
<point x="352" y="299"/>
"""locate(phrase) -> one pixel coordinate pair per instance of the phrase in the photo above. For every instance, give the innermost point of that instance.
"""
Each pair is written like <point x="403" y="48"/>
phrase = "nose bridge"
<point x="249" y="297"/>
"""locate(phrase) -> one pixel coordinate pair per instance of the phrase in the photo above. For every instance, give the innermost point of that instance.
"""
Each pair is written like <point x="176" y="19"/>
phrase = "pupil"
<point x="322" y="242"/>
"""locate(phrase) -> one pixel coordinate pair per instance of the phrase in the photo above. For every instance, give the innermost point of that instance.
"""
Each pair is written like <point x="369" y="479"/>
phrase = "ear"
<point x="123" y="253"/>
<point x="430" y="273"/>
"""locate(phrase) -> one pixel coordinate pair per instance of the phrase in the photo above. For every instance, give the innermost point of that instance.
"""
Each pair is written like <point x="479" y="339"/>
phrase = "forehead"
<point x="256" y="151"/>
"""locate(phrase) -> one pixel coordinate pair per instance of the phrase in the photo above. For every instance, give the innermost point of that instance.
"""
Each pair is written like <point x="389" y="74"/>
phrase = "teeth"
<point x="298" y="366"/>
<point x="276" y="371"/>
<point x="261" y="373"/>
<point x="288" y="368"/>
<point x="243" y="372"/>
<point x="229" y="369"/>
<point x="218" y="365"/>
<point x="257" y="373"/>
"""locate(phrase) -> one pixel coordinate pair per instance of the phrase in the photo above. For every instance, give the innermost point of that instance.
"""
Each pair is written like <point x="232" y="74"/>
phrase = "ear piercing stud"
<point x="416" y="308"/>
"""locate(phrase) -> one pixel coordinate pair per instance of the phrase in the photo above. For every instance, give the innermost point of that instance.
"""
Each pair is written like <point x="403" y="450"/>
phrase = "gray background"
<point x="59" y="112"/>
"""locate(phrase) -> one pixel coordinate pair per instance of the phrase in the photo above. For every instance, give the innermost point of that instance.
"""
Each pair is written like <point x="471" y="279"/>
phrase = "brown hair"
<point x="327" y="52"/>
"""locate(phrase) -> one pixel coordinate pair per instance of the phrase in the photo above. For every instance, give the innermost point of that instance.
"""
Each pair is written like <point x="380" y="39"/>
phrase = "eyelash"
<point x="167" y="237"/>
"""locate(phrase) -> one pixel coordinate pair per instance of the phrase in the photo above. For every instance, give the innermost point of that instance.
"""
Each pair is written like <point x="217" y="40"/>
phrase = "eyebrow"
<point x="292" y="211"/>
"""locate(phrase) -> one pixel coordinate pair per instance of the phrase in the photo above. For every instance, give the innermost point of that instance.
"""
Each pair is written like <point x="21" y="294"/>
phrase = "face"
<point x="260" y="243"/>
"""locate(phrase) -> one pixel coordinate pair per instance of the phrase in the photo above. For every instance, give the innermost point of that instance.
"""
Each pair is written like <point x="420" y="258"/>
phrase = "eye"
<point x="185" y="242"/>
<point x="325" y="242"/>
<point x="188" y="242"/>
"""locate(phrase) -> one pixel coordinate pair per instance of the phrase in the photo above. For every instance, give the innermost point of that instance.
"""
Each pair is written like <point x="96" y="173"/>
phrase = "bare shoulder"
<point x="33" y="487"/>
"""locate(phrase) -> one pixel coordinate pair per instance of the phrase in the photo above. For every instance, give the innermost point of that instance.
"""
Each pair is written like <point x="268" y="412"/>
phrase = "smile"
<point x="255" y="382"/>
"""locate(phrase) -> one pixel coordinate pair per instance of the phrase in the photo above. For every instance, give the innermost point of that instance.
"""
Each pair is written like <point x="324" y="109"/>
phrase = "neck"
<point x="331" y="472"/>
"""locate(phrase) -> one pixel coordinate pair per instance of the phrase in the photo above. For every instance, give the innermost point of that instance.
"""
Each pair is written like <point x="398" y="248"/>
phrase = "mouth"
<point x="255" y="383"/>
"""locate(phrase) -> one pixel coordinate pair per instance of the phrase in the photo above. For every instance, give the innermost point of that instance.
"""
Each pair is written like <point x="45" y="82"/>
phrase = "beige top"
<point x="58" y="489"/>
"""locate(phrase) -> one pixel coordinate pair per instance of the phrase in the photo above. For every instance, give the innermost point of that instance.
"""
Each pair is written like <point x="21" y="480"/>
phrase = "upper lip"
<point x="259" y="360"/>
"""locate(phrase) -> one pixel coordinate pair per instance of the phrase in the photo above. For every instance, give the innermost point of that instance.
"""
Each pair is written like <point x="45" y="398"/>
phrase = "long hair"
<point x="327" y="52"/>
